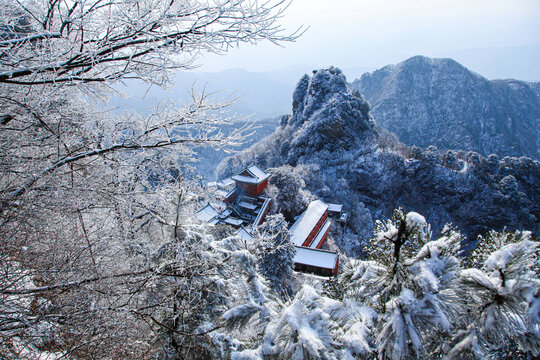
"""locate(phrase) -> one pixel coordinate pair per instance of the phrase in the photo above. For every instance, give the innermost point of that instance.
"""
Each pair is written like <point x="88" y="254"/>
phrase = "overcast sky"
<point x="372" y="33"/>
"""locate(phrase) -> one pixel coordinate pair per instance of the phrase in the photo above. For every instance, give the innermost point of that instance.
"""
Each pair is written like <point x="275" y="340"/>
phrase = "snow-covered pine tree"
<point x="301" y="331"/>
<point x="257" y="296"/>
<point x="408" y="281"/>
<point x="500" y="307"/>
<point x="313" y="326"/>
<point x="193" y="288"/>
<point x="414" y="302"/>
<point x="352" y="326"/>
<point x="256" y="306"/>
<point x="493" y="241"/>
<point x="287" y="190"/>
<point x="275" y="252"/>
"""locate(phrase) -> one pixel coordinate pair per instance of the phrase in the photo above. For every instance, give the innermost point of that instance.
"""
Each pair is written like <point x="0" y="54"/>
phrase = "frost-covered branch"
<point x="45" y="35"/>
<point x="98" y="152"/>
<point x="94" y="40"/>
<point x="88" y="195"/>
<point x="72" y="284"/>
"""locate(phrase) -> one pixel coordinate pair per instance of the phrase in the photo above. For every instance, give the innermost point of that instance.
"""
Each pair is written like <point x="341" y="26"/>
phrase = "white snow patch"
<point x="258" y="173"/>
<point x="414" y="220"/>
<point x="247" y="355"/>
<point x="245" y="179"/>
<point x="501" y="258"/>
<point x="335" y="208"/>
<point x="207" y="213"/>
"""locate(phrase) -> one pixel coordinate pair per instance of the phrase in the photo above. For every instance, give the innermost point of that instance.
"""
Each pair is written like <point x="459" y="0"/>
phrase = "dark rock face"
<point x="332" y="137"/>
<point x="439" y="102"/>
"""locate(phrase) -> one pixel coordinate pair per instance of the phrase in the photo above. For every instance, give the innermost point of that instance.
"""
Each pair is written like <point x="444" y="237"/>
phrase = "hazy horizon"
<point x="363" y="34"/>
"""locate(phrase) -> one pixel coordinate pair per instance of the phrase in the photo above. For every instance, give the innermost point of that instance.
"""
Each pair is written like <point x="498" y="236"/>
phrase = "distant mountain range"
<point x="423" y="101"/>
<point x="439" y="102"/>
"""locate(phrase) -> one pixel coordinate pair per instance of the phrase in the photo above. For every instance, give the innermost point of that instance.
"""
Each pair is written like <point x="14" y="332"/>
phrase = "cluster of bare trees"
<point x="88" y="197"/>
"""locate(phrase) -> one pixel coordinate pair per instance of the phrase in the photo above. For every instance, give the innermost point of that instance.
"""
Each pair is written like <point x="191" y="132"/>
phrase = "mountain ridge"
<point x="440" y="102"/>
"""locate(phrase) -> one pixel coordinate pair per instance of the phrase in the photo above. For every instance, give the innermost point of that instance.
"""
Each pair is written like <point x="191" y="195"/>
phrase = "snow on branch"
<point x="100" y="41"/>
<point x="45" y="35"/>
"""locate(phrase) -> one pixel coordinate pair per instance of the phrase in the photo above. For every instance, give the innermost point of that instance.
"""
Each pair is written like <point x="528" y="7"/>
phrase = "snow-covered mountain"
<point x="332" y="142"/>
<point x="439" y="102"/>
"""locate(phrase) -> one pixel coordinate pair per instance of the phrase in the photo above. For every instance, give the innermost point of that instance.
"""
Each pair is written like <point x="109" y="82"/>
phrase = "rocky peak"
<point x="420" y="62"/>
<point x="327" y="115"/>
<point x="325" y="87"/>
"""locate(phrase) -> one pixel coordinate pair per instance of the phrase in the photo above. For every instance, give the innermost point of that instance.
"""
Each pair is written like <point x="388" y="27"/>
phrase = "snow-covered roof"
<point x="315" y="257"/>
<point x="225" y="213"/>
<point x="258" y="172"/>
<point x="335" y="208"/>
<point x="306" y="222"/>
<point x="233" y="221"/>
<point x="207" y="213"/>
<point x="246" y="179"/>
<point x="247" y="205"/>
<point x="244" y="234"/>
<point x="255" y="175"/>
<point x="321" y="234"/>
<point x="226" y="182"/>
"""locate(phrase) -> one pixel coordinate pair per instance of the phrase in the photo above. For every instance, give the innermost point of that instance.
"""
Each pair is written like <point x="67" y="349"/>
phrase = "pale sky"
<point x="372" y="33"/>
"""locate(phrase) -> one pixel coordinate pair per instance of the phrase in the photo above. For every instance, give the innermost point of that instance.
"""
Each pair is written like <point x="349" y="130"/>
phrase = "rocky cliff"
<point x="332" y="142"/>
<point x="439" y="102"/>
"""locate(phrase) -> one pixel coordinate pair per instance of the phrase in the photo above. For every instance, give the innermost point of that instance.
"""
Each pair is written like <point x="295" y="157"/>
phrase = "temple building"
<point x="252" y="180"/>
<point x="246" y="206"/>
<point x="316" y="261"/>
<point x="308" y="233"/>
